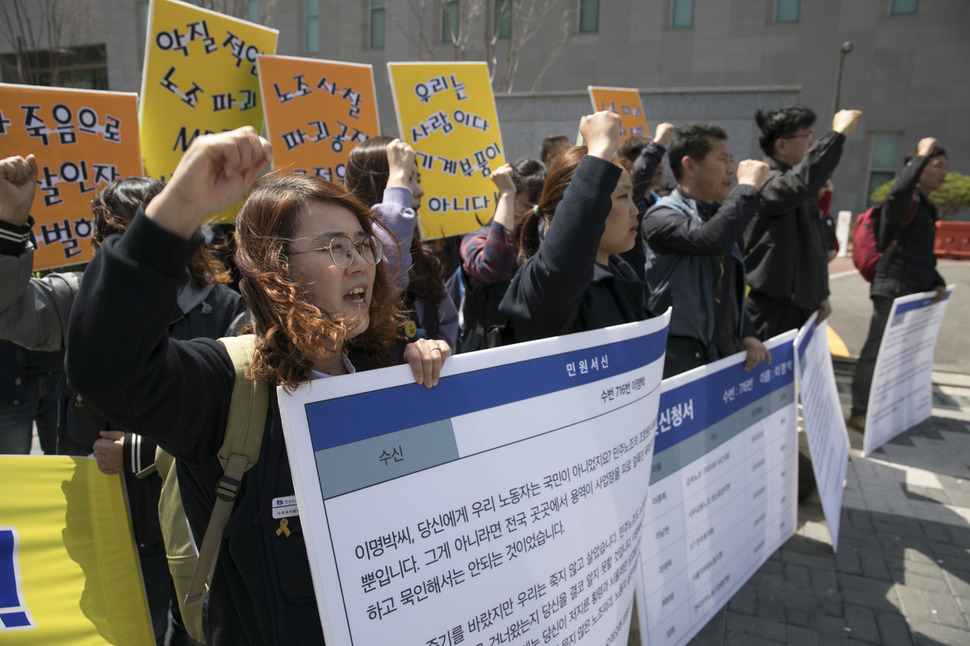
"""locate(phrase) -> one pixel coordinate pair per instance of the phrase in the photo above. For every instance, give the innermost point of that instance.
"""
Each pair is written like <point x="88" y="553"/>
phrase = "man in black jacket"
<point x="693" y="263"/>
<point x="911" y="267"/>
<point x="783" y="250"/>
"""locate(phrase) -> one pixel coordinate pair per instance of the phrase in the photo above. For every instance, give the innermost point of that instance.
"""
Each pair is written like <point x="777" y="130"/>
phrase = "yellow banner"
<point x="624" y="102"/>
<point x="446" y="111"/>
<point x="317" y="112"/>
<point x="69" y="573"/>
<point x="82" y="140"/>
<point x="200" y="77"/>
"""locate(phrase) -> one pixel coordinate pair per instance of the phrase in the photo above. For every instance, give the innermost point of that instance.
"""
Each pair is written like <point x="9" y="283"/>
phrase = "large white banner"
<point x="828" y="441"/>
<point x="722" y="489"/>
<point x="901" y="395"/>
<point x="503" y="505"/>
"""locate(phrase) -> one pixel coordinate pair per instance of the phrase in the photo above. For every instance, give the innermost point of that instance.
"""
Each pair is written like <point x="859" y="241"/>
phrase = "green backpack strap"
<point x="238" y="453"/>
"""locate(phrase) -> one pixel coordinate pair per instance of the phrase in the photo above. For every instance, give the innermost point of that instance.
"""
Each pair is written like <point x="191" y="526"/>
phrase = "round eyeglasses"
<point x="342" y="249"/>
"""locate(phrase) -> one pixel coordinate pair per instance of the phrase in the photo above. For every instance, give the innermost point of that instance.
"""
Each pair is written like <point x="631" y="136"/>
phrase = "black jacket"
<point x="784" y="250"/>
<point x="912" y="266"/>
<point x="644" y="168"/>
<point x="177" y="393"/>
<point x="562" y="289"/>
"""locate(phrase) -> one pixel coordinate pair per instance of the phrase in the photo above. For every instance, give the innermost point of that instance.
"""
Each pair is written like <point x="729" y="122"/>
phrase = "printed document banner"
<point x="901" y="395"/>
<point x="828" y="440"/>
<point x="69" y="572"/>
<point x="624" y="102"/>
<point x="316" y="112"/>
<point x="501" y="506"/>
<point x="200" y="77"/>
<point x="722" y="489"/>
<point x="446" y="111"/>
<point x="82" y="140"/>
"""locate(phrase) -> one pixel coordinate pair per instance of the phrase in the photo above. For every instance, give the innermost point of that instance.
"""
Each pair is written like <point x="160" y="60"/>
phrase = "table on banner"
<point x="901" y="395"/>
<point x="503" y="505"/>
<point x="722" y="489"/>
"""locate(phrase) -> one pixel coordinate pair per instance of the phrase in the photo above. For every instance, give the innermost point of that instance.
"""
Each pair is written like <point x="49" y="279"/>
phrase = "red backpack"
<point x="865" y="238"/>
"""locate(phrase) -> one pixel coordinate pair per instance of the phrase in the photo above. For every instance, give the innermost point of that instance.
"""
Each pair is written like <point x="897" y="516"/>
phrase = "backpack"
<point x="239" y="451"/>
<point x="865" y="239"/>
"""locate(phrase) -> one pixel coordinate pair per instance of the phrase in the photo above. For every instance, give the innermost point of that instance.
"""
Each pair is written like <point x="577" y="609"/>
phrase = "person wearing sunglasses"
<point x="314" y="282"/>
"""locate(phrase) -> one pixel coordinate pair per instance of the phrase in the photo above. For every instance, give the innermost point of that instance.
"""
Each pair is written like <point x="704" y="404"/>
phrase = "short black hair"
<point x="780" y="122"/>
<point x="692" y="141"/>
<point x="632" y="147"/>
<point x="529" y="175"/>
<point x="549" y="145"/>
<point x="937" y="152"/>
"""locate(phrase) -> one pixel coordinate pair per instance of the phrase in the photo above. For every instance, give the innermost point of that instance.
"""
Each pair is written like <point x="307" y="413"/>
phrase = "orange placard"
<point x="626" y="103"/>
<point x="82" y="139"/>
<point x="316" y="112"/>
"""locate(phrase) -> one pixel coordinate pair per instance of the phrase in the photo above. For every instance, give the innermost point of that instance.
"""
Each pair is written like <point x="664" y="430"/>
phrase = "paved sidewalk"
<point x="902" y="573"/>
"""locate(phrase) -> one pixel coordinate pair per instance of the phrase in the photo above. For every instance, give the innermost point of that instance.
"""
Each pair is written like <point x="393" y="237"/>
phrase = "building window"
<point x="311" y="26"/>
<point x="503" y="18"/>
<point x="683" y="14"/>
<point x="882" y="168"/>
<point x="589" y="16"/>
<point x="142" y="31"/>
<point x="787" y="10"/>
<point x="376" y="24"/>
<point x="450" y="13"/>
<point x="903" y="7"/>
<point x="84" y="67"/>
<point x="252" y="11"/>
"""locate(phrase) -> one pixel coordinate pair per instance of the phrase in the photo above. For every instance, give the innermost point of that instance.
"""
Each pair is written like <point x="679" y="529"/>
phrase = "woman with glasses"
<point x="376" y="172"/>
<point x="572" y="278"/>
<point x="313" y="280"/>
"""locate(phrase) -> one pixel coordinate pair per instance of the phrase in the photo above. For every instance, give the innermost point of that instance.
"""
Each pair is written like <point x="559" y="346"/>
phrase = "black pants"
<point x="771" y="317"/>
<point x="683" y="354"/>
<point x="864" y="367"/>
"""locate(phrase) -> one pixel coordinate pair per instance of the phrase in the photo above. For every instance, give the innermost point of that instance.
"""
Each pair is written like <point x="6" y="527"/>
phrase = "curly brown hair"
<point x="291" y="333"/>
<point x="114" y="206"/>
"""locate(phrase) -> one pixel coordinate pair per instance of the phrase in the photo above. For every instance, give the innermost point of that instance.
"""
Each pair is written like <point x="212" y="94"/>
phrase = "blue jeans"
<point x="41" y="394"/>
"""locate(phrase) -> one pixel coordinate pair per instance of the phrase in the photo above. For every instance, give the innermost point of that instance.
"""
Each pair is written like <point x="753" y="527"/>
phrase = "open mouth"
<point x="356" y="296"/>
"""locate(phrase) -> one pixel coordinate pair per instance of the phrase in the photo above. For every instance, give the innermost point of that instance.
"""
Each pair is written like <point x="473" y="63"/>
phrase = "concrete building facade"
<point x="711" y="60"/>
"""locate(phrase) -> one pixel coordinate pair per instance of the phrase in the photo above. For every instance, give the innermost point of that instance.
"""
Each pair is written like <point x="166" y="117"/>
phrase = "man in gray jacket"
<point x="693" y="263"/>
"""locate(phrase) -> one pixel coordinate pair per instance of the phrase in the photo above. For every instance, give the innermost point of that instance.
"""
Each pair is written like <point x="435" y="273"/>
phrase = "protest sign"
<point x="503" y="505"/>
<point x="200" y="77"/>
<point x="722" y="489"/>
<point x="83" y="140"/>
<point x="901" y="395"/>
<point x="69" y="572"/>
<point x="624" y="102"/>
<point x="316" y="112"/>
<point x="828" y="440"/>
<point x="446" y="111"/>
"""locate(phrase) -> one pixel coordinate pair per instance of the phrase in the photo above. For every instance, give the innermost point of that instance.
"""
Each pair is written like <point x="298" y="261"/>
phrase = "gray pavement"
<point x="902" y="572"/>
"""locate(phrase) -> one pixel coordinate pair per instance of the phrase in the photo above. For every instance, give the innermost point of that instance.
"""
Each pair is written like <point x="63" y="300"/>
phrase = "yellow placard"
<point x="82" y="140"/>
<point x="624" y="102"/>
<point x="317" y="112"/>
<point x="69" y="572"/>
<point x="446" y="111"/>
<point x="200" y="77"/>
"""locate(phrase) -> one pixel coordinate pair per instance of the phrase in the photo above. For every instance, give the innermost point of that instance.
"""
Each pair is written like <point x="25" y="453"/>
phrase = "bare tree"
<point x="527" y="19"/>
<point x="418" y="38"/>
<point x="43" y="34"/>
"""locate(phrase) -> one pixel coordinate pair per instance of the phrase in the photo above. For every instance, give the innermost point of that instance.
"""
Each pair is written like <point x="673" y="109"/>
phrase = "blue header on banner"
<point x="335" y="422"/>
<point x="699" y="404"/>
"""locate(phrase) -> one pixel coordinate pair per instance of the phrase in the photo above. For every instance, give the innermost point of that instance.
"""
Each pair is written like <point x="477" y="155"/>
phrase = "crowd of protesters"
<point x="337" y="279"/>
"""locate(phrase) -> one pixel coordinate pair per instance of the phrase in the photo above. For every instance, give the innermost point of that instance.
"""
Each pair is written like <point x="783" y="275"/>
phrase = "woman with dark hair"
<point x="488" y="255"/>
<point x="571" y="278"/>
<point x="373" y="169"/>
<point x="34" y="313"/>
<point x="313" y="280"/>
